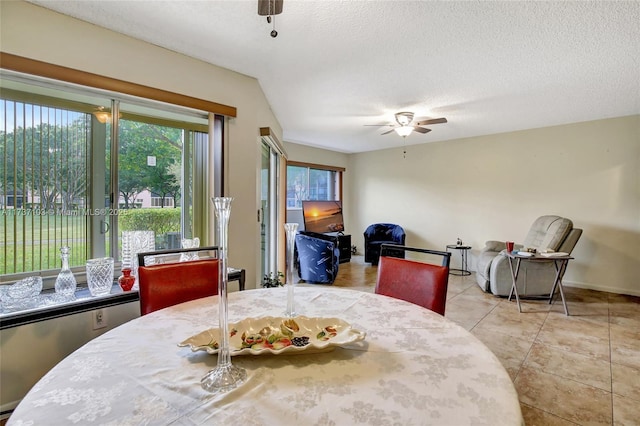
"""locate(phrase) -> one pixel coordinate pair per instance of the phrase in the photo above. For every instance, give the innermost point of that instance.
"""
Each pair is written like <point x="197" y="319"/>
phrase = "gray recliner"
<point x="535" y="278"/>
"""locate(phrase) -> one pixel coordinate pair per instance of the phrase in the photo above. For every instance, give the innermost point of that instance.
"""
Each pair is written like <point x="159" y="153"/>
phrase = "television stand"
<point x="344" y="245"/>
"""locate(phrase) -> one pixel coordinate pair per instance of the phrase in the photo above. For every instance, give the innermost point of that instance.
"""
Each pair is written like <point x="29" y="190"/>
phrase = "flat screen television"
<point x="323" y="216"/>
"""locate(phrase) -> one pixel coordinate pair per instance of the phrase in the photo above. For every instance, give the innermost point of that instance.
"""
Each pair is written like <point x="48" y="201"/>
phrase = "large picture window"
<point x="312" y="182"/>
<point x="74" y="174"/>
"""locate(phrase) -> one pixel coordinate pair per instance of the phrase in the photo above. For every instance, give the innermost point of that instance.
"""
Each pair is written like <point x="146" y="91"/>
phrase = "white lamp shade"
<point x="404" y="131"/>
<point x="103" y="116"/>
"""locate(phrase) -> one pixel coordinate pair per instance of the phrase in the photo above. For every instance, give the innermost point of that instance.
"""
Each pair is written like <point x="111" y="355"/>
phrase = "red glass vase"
<point x="126" y="280"/>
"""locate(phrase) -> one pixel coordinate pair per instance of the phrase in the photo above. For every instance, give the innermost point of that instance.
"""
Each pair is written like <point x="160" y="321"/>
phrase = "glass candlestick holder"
<point x="225" y="376"/>
<point x="291" y="229"/>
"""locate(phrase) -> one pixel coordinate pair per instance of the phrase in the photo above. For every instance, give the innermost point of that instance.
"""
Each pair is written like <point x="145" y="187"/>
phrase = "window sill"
<point x="83" y="302"/>
<point x="48" y="309"/>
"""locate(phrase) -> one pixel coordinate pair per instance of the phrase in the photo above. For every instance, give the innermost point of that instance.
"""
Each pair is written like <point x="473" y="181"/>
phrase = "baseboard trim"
<point x="608" y="289"/>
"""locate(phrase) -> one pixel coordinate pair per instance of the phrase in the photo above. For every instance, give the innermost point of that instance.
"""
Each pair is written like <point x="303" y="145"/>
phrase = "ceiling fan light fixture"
<point x="103" y="115"/>
<point x="404" y="131"/>
<point x="404" y="118"/>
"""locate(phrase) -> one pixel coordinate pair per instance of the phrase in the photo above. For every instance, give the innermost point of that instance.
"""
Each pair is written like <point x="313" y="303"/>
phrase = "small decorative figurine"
<point x="126" y="280"/>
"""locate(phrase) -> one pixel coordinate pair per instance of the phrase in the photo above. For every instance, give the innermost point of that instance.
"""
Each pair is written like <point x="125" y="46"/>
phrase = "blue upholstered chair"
<point x="317" y="257"/>
<point x="382" y="233"/>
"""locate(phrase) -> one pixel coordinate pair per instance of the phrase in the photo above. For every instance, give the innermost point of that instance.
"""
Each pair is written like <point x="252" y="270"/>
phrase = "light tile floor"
<point x="583" y="369"/>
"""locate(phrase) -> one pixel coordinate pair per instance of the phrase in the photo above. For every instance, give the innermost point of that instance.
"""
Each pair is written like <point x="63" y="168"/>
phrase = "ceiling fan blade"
<point x="421" y="129"/>
<point x="387" y="132"/>
<point x="378" y="125"/>
<point x="431" y="121"/>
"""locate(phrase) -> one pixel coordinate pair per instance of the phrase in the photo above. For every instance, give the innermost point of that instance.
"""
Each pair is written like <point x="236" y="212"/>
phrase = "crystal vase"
<point x="134" y="242"/>
<point x="65" y="282"/>
<point x="188" y="243"/>
<point x="225" y="376"/>
<point x="291" y="229"/>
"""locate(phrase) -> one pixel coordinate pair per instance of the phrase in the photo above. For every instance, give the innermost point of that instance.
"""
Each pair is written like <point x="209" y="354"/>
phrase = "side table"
<point x="464" y="268"/>
<point x="344" y="245"/>
<point x="560" y="262"/>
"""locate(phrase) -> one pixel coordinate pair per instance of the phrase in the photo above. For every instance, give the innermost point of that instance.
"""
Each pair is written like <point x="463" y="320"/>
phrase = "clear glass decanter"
<point x="65" y="283"/>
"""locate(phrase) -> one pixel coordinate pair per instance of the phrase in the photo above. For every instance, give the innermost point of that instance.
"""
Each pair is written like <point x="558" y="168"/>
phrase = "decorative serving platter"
<point x="276" y="335"/>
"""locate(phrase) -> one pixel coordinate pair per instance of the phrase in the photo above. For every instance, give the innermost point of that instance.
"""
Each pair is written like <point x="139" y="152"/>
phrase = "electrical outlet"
<point x="99" y="319"/>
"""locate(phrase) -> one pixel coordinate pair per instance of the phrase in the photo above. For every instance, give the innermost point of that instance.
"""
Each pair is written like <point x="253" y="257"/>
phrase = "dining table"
<point x="406" y="365"/>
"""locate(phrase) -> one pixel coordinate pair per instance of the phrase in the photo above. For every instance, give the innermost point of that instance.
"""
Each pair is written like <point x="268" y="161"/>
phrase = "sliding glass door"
<point x="269" y="179"/>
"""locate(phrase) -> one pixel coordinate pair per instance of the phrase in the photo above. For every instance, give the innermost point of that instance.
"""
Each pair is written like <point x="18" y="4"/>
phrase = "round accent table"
<point x="464" y="267"/>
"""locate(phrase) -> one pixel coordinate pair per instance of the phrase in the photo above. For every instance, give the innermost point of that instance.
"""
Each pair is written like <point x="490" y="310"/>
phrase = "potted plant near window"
<point x="272" y="280"/>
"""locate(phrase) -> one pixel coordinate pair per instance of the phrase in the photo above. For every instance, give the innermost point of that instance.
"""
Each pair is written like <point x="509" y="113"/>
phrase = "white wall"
<point x="41" y="34"/>
<point x="493" y="187"/>
<point x="309" y="154"/>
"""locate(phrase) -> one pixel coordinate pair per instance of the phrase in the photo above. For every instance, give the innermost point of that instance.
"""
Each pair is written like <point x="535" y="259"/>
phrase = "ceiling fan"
<point x="405" y="126"/>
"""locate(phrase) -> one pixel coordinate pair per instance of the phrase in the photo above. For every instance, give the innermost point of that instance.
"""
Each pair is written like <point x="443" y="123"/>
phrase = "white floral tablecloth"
<point x="414" y="368"/>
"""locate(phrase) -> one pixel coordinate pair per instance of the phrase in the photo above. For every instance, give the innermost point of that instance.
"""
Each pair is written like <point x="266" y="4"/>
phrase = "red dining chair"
<point x="414" y="281"/>
<point x="163" y="284"/>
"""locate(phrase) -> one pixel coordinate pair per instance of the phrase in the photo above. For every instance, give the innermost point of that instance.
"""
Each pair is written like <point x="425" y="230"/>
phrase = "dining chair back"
<point x="414" y="281"/>
<point x="165" y="281"/>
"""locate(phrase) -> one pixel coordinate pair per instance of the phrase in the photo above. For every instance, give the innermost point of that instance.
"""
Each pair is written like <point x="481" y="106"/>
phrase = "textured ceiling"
<point x="488" y="67"/>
